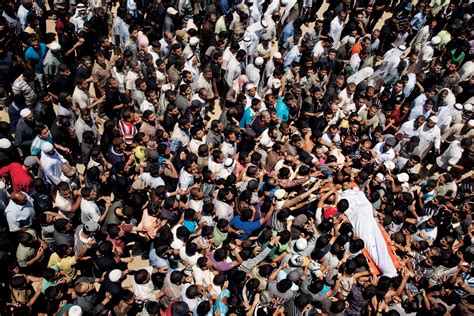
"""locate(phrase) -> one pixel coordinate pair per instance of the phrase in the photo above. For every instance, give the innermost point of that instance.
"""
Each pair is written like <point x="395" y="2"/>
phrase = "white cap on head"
<point x="280" y="194"/>
<point x="193" y="41"/>
<point x="264" y="23"/>
<point x="458" y="106"/>
<point x="247" y="39"/>
<point x="351" y="40"/>
<point x="25" y="112"/>
<point x="402" y="47"/>
<point x="435" y="40"/>
<point x="301" y="244"/>
<point x="380" y="176"/>
<point x="258" y="61"/>
<point x="46" y="147"/>
<point x="5" y="143"/>
<point x="75" y="310"/>
<point x="468" y="107"/>
<point x="171" y="11"/>
<point x="403" y="177"/>
<point x="433" y="119"/>
<point x="471" y="123"/>
<point x="277" y="55"/>
<point x="115" y="275"/>
<point x="228" y="162"/>
<point x="250" y="86"/>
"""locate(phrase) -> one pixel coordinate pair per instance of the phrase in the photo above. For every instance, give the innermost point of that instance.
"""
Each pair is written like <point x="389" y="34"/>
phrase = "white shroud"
<point x="366" y="228"/>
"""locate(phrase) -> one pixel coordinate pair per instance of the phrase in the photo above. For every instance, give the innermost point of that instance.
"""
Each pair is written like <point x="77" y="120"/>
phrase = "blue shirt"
<point x="287" y="32"/>
<point x="36" y="58"/>
<point x="247" y="227"/>
<point x="282" y="110"/>
<point x="190" y="225"/>
<point x="418" y="21"/>
<point x="220" y="306"/>
<point x="247" y="117"/>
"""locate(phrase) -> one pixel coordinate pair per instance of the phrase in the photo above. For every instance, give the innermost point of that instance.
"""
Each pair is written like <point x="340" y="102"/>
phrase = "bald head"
<point x="18" y="198"/>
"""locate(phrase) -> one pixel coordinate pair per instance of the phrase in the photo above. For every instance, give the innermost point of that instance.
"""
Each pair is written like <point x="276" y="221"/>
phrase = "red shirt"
<point x="21" y="179"/>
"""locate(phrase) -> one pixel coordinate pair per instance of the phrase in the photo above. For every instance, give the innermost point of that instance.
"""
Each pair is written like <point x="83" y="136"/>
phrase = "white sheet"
<point x="366" y="228"/>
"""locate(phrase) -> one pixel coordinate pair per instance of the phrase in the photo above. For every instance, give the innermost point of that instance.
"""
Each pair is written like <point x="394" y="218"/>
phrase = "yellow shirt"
<point x="64" y="265"/>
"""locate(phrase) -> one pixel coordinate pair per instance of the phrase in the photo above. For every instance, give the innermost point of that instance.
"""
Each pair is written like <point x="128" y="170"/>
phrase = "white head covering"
<point x="75" y="310"/>
<point x="5" y="143"/>
<point x="25" y="112"/>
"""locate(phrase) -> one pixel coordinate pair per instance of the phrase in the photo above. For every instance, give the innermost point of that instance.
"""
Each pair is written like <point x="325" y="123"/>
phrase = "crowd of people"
<point x="257" y="157"/>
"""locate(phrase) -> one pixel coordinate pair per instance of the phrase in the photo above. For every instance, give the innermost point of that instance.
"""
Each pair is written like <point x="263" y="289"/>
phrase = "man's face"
<point x="271" y="100"/>
<point x="328" y="116"/>
<point x="428" y="106"/>
<point x="85" y="85"/>
<point x="86" y="116"/>
<point x="44" y="133"/>
<point x="419" y="121"/>
<point x="87" y="63"/>
<point x="319" y="153"/>
<point x="152" y="97"/>
<point x="208" y="75"/>
<point x="199" y="134"/>
<point x="373" y="110"/>
<point x="257" y="107"/>
<point x="188" y="78"/>
<point x="65" y="192"/>
<point x="398" y="87"/>
<point x="113" y="84"/>
<point x="365" y="147"/>
<point x="331" y="55"/>
<point x="30" y="118"/>
<point x="35" y="45"/>
<point x="430" y="124"/>
<point x="213" y="18"/>
<point x="252" y="92"/>
<point x="232" y="137"/>
<point x="267" y="119"/>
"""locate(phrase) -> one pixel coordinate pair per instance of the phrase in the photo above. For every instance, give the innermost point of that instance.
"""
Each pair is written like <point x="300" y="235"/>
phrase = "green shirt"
<point x="219" y="236"/>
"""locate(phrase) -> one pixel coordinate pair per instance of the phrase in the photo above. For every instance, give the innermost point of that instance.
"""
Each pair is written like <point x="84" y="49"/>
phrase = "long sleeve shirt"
<point x="51" y="165"/>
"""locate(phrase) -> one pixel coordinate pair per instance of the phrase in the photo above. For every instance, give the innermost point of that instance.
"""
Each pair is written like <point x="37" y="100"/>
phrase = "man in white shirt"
<point x="150" y="102"/>
<point x="410" y="128"/>
<point x="430" y="135"/>
<point x="384" y="150"/>
<point x="152" y="178"/>
<point x="253" y="71"/>
<point x="452" y="154"/>
<point x="51" y="162"/>
<point x="223" y="204"/>
<point x="66" y="201"/>
<point x="425" y="110"/>
<point x="89" y="209"/>
<point x="20" y="212"/>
